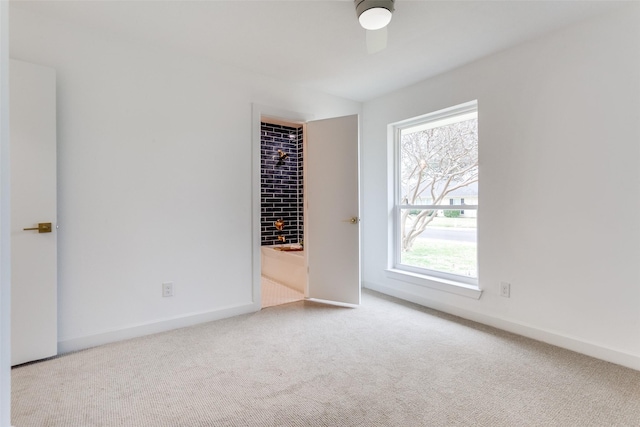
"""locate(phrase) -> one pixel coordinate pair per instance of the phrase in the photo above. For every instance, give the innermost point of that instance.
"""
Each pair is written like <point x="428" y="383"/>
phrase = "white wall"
<point x="559" y="126"/>
<point x="154" y="156"/>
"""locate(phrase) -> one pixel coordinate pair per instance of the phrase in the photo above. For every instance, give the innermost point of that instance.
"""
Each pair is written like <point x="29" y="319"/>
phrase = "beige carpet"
<point x="306" y="364"/>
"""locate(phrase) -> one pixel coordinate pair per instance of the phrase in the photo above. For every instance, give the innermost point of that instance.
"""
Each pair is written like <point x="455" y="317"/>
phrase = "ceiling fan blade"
<point x="376" y="40"/>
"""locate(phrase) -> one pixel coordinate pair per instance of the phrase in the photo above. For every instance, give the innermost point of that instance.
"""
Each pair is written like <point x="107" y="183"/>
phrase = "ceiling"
<point x="320" y="44"/>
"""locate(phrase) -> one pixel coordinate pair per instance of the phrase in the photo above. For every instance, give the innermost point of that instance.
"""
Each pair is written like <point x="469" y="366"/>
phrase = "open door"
<point x="332" y="229"/>
<point x="33" y="212"/>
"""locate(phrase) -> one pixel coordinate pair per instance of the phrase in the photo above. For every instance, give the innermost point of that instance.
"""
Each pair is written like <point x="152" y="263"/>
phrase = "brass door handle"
<point x="43" y="227"/>
<point x="352" y="220"/>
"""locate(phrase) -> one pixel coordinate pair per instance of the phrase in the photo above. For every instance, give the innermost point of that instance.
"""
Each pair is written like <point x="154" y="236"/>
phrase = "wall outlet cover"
<point x="505" y="289"/>
<point x="167" y="289"/>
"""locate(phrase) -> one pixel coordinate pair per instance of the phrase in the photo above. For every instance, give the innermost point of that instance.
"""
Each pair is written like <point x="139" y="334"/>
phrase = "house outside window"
<point x="436" y="175"/>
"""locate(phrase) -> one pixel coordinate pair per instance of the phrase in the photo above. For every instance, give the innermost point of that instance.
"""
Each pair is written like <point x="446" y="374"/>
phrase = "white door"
<point x="32" y="141"/>
<point x="332" y="230"/>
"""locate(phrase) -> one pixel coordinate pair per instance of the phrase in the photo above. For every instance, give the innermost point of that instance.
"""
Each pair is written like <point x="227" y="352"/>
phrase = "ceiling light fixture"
<point x="374" y="14"/>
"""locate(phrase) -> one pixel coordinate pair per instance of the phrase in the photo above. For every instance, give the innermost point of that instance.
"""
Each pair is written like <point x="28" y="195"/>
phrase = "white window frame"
<point x="448" y="282"/>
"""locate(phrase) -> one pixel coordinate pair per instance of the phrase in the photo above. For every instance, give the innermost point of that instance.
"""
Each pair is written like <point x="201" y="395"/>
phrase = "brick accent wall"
<point x="281" y="184"/>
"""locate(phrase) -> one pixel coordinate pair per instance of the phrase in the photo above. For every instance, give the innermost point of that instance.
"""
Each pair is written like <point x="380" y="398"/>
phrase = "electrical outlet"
<point x="167" y="289"/>
<point x="505" y="289"/>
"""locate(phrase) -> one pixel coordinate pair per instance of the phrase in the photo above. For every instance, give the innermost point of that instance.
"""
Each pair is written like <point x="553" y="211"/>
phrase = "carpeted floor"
<point x="385" y="363"/>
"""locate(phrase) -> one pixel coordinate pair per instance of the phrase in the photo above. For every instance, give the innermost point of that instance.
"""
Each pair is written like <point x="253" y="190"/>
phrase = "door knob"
<point x="354" y="220"/>
<point x="43" y="227"/>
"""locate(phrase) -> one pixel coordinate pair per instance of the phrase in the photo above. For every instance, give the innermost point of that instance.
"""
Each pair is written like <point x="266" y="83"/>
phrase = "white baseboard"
<point x="81" y="343"/>
<point x="529" y="331"/>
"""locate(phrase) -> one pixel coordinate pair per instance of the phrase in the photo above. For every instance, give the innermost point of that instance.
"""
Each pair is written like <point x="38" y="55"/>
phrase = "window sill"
<point x="462" y="289"/>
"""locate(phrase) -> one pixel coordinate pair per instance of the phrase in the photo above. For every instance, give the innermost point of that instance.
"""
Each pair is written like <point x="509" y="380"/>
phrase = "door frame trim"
<point x="5" y="230"/>
<point x="258" y="111"/>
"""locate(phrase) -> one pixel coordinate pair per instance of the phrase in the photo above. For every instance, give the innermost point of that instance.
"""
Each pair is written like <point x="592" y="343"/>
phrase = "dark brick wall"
<point x="281" y="184"/>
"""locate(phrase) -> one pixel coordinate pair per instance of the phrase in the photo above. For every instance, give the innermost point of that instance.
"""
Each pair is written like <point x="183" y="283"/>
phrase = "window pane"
<point x="442" y="240"/>
<point x="439" y="163"/>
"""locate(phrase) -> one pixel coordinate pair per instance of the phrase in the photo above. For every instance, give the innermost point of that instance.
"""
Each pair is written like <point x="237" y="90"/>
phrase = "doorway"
<point x="283" y="272"/>
<point x="331" y="233"/>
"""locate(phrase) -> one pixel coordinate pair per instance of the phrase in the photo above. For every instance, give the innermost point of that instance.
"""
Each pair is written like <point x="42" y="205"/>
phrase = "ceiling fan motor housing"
<point x="364" y="5"/>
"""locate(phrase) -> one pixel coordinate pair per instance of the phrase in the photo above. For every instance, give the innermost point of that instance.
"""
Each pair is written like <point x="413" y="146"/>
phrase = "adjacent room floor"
<point x="274" y="293"/>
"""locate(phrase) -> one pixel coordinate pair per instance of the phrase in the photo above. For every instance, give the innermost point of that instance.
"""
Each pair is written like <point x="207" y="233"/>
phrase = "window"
<point x="436" y="195"/>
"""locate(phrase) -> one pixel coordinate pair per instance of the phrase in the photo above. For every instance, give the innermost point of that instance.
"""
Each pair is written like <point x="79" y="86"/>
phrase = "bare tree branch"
<point x="437" y="161"/>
